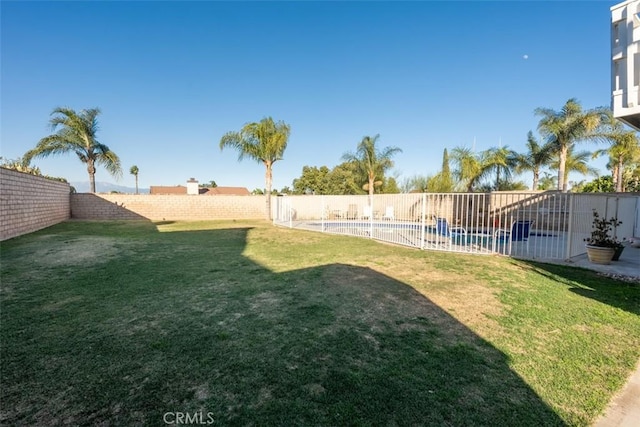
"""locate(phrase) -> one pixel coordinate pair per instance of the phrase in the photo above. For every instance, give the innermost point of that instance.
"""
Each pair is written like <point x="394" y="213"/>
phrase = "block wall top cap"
<point x="192" y="180"/>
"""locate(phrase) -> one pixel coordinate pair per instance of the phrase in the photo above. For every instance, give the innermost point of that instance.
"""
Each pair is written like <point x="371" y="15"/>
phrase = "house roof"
<point x="227" y="191"/>
<point x="159" y="189"/>
<point x="208" y="191"/>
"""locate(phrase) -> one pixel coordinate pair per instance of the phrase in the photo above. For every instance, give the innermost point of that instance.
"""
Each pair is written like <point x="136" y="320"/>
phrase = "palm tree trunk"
<point x="536" y="177"/>
<point x="136" y="184"/>
<point x="92" y="175"/>
<point x="619" y="184"/>
<point x="371" y="182"/>
<point x="268" y="179"/>
<point x="562" y="179"/>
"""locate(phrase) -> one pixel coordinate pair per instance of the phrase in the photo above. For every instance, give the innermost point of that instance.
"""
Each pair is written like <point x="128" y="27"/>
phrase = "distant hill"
<point x="106" y="187"/>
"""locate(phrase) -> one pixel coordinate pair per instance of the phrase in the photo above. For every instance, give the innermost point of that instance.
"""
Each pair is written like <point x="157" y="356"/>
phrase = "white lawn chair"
<point x="367" y="212"/>
<point x="352" y="212"/>
<point x="389" y="214"/>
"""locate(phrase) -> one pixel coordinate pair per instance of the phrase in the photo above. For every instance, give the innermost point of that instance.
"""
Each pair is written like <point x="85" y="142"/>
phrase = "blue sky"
<point x="172" y="77"/>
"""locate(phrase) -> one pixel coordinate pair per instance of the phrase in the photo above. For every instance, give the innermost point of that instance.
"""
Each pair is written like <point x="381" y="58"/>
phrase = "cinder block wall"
<point x="29" y="203"/>
<point x="167" y="207"/>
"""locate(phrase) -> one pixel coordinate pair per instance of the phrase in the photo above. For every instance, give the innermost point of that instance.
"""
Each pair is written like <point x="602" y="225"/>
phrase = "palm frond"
<point x="110" y="161"/>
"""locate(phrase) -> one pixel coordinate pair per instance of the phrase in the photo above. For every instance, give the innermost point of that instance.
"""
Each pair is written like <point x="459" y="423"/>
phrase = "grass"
<point x="119" y="323"/>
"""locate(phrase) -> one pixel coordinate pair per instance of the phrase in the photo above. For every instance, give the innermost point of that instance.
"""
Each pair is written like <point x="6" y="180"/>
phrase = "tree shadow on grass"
<point x="196" y="327"/>
<point x="621" y="294"/>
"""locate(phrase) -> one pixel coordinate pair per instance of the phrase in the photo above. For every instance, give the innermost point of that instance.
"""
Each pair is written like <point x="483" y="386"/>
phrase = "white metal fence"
<point x="537" y="225"/>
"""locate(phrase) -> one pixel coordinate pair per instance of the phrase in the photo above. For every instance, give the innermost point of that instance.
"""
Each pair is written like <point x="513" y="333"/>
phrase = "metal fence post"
<point x="569" y="244"/>
<point x="274" y="207"/>
<point x="322" y="213"/>
<point x="615" y="227"/>
<point x="371" y="218"/>
<point x="423" y="215"/>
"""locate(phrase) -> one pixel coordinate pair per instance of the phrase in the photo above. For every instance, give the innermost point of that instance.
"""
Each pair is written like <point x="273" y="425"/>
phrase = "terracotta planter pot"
<point x="600" y="255"/>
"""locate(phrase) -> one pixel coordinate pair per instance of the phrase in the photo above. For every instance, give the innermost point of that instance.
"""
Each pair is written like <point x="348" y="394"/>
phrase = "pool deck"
<point x="628" y="265"/>
<point x="624" y="408"/>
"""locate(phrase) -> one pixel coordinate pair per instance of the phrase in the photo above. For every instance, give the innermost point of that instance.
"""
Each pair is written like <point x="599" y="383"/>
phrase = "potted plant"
<point x="601" y="245"/>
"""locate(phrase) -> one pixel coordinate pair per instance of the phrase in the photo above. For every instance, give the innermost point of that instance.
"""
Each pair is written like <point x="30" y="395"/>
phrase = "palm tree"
<point x="264" y="142"/>
<point x="469" y="169"/>
<point x="576" y="162"/>
<point x="565" y="128"/>
<point x="500" y="161"/>
<point x="76" y="132"/>
<point x="624" y="148"/>
<point x="414" y="183"/>
<point x="537" y="156"/>
<point x="134" y="171"/>
<point x="370" y="162"/>
<point x="548" y="181"/>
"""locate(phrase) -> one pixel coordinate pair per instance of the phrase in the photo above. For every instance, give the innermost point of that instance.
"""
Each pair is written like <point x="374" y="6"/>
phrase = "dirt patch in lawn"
<point x="266" y="304"/>
<point x="473" y="304"/>
<point x="77" y="251"/>
<point x="60" y="305"/>
<point x="460" y="294"/>
<point x="382" y="300"/>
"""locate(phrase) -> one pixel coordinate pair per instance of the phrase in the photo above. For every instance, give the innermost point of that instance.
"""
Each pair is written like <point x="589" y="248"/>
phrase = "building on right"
<point x="625" y="62"/>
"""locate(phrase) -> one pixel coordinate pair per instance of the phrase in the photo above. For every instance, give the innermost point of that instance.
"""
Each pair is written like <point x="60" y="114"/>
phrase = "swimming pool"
<point x="542" y="243"/>
<point x="406" y="230"/>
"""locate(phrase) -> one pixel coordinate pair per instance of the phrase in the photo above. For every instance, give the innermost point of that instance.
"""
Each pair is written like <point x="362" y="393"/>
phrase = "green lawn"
<point x="118" y="323"/>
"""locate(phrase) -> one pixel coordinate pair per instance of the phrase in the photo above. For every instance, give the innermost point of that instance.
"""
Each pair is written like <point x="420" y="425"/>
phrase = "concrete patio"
<point x="628" y="265"/>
